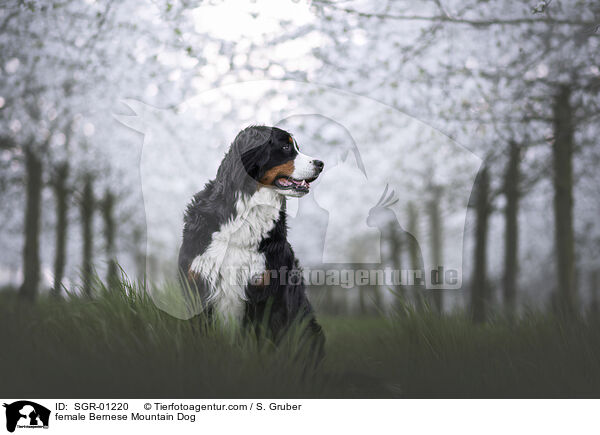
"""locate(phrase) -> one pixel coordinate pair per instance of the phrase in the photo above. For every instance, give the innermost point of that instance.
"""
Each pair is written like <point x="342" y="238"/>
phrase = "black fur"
<point x="281" y="302"/>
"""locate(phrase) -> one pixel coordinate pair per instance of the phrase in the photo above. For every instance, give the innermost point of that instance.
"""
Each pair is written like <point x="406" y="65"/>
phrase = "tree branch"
<point x="457" y="20"/>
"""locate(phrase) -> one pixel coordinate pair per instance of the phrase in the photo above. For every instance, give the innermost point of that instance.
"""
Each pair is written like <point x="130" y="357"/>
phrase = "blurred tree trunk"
<point x="594" y="292"/>
<point x="362" y="300"/>
<point x="139" y="255"/>
<point x="395" y="238"/>
<point x="413" y="249"/>
<point x="108" y="205"/>
<point x="479" y="293"/>
<point x="376" y="292"/>
<point x="511" y="234"/>
<point x="563" y="199"/>
<point x="31" y="250"/>
<point x="61" y="196"/>
<point x="435" y="227"/>
<point x="87" y="226"/>
<point x="395" y="258"/>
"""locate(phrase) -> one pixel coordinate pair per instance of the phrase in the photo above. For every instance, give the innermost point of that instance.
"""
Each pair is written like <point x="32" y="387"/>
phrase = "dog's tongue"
<point x="290" y="182"/>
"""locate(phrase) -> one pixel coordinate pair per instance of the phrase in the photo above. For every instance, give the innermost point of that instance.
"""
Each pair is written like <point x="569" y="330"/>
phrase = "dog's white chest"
<point x="233" y="258"/>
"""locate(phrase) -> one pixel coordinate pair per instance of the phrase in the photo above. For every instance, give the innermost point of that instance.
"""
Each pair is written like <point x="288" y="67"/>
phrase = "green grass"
<point x="118" y="344"/>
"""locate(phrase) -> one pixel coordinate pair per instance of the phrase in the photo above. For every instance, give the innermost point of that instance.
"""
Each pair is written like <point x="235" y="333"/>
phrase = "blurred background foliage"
<point x="516" y="83"/>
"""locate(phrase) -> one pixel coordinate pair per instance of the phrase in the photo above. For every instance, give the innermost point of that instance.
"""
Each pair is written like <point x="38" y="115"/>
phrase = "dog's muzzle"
<point x="306" y="170"/>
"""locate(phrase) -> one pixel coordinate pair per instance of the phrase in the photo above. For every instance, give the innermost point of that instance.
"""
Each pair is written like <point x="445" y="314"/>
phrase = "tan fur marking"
<point x="285" y="169"/>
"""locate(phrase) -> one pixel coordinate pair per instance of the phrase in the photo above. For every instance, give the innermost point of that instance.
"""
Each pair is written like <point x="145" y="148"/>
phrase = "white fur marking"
<point x="304" y="167"/>
<point x="232" y="258"/>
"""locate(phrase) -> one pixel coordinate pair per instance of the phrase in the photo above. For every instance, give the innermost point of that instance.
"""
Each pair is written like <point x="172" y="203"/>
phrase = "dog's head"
<point x="271" y="158"/>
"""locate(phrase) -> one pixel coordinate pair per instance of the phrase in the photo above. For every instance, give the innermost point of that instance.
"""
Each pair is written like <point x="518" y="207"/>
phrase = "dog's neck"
<point x="263" y="198"/>
<point x="255" y="215"/>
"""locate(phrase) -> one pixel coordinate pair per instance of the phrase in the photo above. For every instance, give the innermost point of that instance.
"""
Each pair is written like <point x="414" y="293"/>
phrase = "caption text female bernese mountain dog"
<point x="235" y="252"/>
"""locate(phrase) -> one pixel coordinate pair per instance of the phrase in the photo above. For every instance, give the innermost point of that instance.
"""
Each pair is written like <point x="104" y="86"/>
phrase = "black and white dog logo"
<point x="26" y="414"/>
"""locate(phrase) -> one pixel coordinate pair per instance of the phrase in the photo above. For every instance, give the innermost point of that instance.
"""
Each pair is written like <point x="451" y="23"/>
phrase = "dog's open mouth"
<point x="289" y="183"/>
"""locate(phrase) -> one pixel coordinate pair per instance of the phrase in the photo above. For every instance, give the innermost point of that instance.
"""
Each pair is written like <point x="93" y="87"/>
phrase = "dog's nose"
<point x="318" y="164"/>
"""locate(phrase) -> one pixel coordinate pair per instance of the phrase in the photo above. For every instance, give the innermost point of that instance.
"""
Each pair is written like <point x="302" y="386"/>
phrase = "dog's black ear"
<point x="254" y="160"/>
<point x="254" y="148"/>
<point x="243" y="162"/>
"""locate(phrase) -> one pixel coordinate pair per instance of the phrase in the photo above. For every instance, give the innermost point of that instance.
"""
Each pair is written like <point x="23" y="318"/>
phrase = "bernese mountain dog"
<point x="235" y="252"/>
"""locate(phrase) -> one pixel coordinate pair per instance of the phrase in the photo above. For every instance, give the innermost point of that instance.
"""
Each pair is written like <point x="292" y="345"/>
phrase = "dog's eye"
<point x="285" y="147"/>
